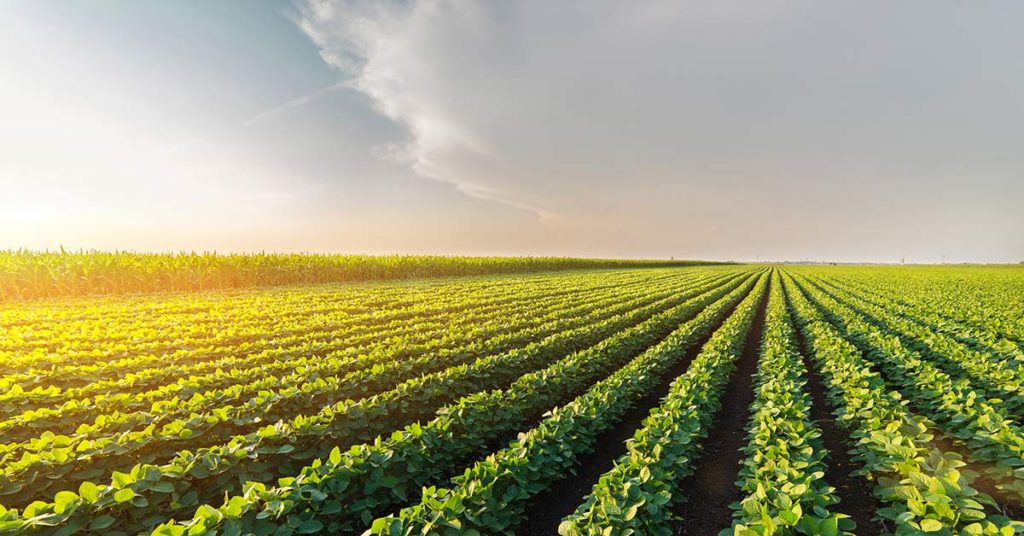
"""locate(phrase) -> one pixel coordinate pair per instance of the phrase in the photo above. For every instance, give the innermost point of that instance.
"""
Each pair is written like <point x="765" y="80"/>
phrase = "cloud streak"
<point x="259" y="117"/>
<point x="292" y="104"/>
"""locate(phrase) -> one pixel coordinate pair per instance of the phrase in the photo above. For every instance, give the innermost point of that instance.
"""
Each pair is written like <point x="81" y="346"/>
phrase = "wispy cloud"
<point x="292" y="104"/>
<point x="265" y="115"/>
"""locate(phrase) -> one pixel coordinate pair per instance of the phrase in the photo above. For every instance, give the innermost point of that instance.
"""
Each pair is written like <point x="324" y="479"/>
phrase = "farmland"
<point x="41" y="274"/>
<point x="600" y="399"/>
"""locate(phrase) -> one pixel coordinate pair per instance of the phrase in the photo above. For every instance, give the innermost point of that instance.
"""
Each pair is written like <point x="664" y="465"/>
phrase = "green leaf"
<point x="124" y="495"/>
<point x="89" y="491"/>
<point x="309" y="526"/>
<point x="64" y="501"/>
<point x="163" y="487"/>
<point x="101" y="522"/>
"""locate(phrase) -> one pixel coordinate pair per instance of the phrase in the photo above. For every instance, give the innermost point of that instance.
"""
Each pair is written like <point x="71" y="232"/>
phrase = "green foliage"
<point x="66" y="456"/>
<point x="924" y="488"/>
<point x="634" y="496"/>
<point x="264" y="454"/>
<point x="783" y="475"/>
<point x="31" y="274"/>
<point x="978" y="417"/>
<point x="366" y="479"/>
<point x="343" y="408"/>
<point x="489" y="497"/>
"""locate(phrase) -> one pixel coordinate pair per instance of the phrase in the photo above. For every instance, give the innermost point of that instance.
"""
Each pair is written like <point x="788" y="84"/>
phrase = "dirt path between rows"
<point x="547" y="509"/>
<point x="854" y="491"/>
<point x="712" y="487"/>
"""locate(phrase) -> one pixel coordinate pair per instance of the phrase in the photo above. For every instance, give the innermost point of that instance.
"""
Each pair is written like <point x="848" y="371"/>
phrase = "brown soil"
<point x="712" y="487"/>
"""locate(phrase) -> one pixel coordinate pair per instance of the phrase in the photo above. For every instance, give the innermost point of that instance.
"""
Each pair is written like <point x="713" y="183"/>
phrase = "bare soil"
<point x="712" y="487"/>
<point x="547" y="509"/>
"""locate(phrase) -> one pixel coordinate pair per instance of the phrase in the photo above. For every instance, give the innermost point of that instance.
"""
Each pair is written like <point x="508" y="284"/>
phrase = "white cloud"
<point x="372" y="42"/>
<point x="700" y="127"/>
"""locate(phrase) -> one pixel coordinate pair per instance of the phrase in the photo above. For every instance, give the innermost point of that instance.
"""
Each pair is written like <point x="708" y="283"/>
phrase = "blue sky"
<point x="777" y="130"/>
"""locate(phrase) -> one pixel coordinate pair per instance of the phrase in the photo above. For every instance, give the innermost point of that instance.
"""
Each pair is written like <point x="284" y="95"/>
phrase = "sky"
<point x="771" y="130"/>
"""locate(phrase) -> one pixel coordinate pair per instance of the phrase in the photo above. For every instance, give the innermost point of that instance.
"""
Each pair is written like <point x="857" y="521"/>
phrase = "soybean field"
<point x="646" y="400"/>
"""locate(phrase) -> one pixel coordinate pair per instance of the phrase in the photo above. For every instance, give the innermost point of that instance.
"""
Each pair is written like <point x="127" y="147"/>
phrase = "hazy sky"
<point x="763" y="129"/>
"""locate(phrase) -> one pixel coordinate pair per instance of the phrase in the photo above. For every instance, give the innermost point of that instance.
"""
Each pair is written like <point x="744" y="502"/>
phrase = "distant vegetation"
<point x="32" y="274"/>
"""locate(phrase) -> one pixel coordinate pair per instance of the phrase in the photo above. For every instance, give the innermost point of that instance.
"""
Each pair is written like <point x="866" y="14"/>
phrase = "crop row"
<point x="983" y="299"/>
<point x="962" y="411"/>
<point x="491" y="405"/>
<point x="636" y="495"/>
<point x="985" y="339"/>
<point x="250" y="324"/>
<point x="122" y="451"/>
<point x="986" y="371"/>
<point x="923" y="488"/>
<point x="782" y="478"/>
<point x="491" y="495"/>
<point x="243" y="458"/>
<point x="126" y="411"/>
<point x="108" y="362"/>
<point x="177" y="378"/>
